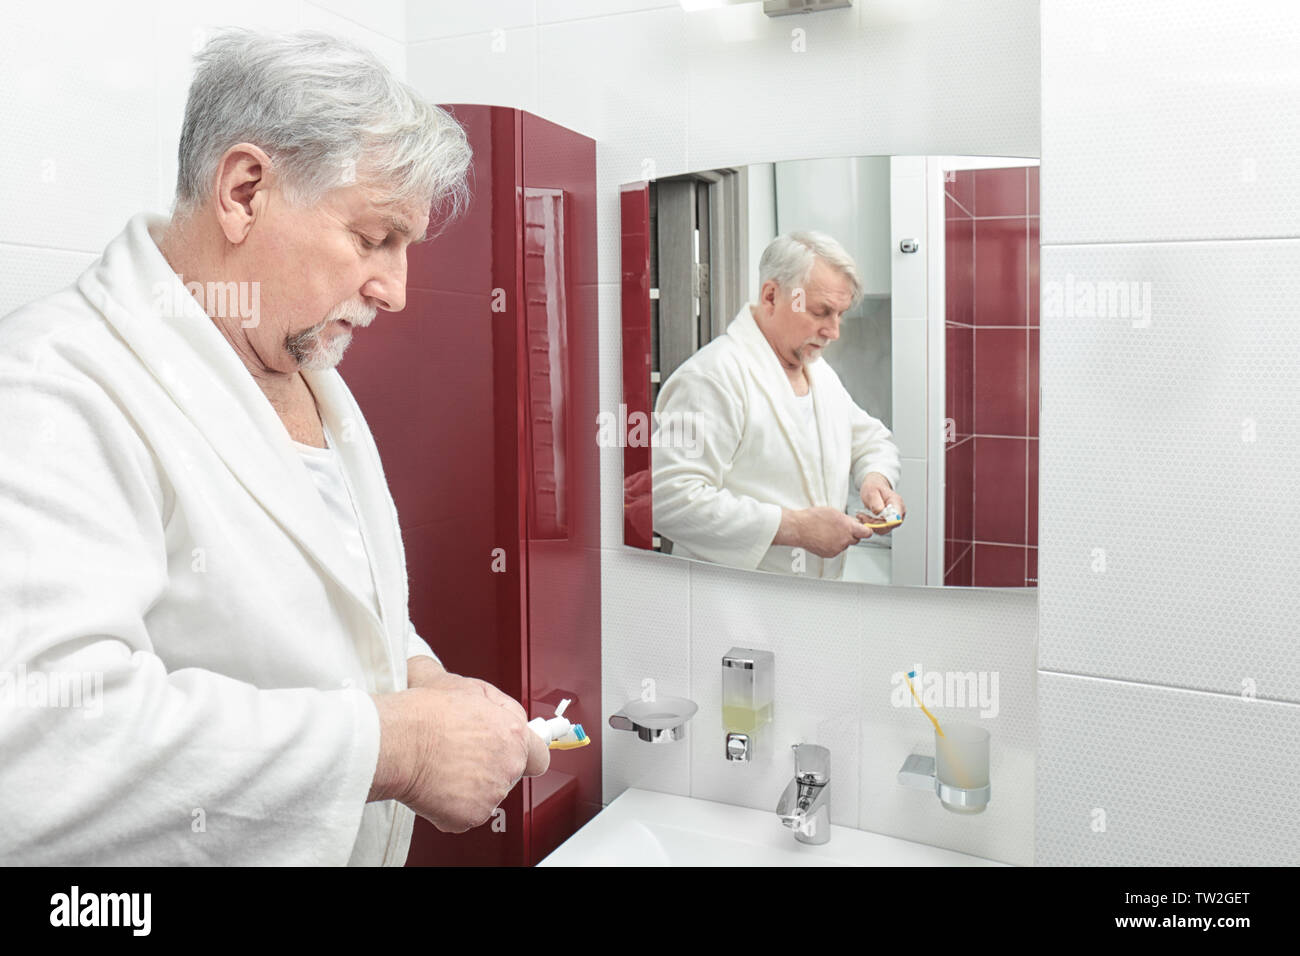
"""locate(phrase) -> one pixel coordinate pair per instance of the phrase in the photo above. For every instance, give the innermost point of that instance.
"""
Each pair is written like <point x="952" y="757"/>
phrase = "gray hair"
<point x="327" y="112"/>
<point x="788" y="260"/>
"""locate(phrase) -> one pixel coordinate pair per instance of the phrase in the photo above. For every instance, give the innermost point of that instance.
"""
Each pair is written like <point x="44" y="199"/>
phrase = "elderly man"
<point x="776" y="438"/>
<point x="195" y="529"/>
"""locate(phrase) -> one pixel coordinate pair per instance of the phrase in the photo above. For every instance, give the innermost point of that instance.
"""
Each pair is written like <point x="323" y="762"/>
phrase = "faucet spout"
<point x="805" y="806"/>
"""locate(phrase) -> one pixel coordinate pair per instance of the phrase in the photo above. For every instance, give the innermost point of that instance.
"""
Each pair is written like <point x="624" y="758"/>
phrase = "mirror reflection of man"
<point x="778" y="440"/>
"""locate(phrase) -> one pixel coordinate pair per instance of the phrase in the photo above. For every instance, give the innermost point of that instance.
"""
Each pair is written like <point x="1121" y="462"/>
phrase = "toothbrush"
<point x="888" y="518"/>
<point x="908" y="678"/>
<point x="557" y="733"/>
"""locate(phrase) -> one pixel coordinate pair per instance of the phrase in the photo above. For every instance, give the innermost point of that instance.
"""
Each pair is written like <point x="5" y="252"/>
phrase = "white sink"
<point x="645" y="828"/>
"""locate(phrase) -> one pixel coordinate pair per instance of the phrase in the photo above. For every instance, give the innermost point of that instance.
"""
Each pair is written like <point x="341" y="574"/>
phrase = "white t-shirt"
<point x="809" y="413"/>
<point x="327" y="473"/>
<point x="805" y="403"/>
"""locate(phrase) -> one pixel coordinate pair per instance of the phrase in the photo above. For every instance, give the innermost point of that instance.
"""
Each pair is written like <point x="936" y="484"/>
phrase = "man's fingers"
<point x="539" y="756"/>
<point x="501" y="699"/>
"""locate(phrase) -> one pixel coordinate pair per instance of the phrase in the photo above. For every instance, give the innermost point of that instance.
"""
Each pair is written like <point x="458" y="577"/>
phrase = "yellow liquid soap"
<point x="745" y="720"/>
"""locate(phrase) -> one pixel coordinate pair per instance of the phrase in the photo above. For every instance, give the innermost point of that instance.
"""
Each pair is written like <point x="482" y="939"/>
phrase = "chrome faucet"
<point x="805" y="807"/>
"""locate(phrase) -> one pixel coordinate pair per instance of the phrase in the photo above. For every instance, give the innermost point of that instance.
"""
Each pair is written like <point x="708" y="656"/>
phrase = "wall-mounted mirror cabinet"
<point x="807" y="342"/>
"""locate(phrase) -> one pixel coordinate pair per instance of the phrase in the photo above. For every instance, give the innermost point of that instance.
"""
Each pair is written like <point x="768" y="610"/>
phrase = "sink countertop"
<point x="647" y="828"/>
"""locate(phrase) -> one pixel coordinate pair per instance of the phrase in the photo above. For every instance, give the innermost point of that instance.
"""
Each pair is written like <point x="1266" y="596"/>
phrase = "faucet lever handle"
<point x="812" y="763"/>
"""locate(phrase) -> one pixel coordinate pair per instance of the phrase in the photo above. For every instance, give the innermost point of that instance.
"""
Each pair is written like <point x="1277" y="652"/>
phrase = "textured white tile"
<point x="879" y="79"/>
<point x="644" y="636"/>
<point x="948" y="76"/>
<point x="765" y="89"/>
<point x="622" y="81"/>
<point x="1163" y="120"/>
<point x="550" y="11"/>
<point x="815" y="630"/>
<point x="78" y="153"/>
<point x="27" y="274"/>
<point x="985" y="632"/>
<point x="494" y="69"/>
<point x="431" y="19"/>
<point x="386" y="17"/>
<point x="1148" y="435"/>
<point x="392" y="52"/>
<point x="1177" y="778"/>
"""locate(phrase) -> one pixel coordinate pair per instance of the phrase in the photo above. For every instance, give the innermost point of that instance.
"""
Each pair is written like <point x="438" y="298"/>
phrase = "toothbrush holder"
<point x="958" y="773"/>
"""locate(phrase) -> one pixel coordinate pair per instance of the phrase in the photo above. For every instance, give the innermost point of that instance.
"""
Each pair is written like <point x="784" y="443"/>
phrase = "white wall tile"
<point x="622" y="81"/>
<point x="392" y="52"/>
<point x="879" y="79"/>
<point x="27" y="274"/>
<point x="1148" y="434"/>
<point x="814" y="628"/>
<point x="385" y="17"/>
<point x="948" y="76"/>
<point x="432" y="19"/>
<point x="494" y="69"/>
<point x="1178" y="778"/>
<point x="551" y="11"/>
<point x="78" y="155"/>
<point x="987" y="632"/>
<point x="644" y="635"/>
<point x="1163" y="120"/>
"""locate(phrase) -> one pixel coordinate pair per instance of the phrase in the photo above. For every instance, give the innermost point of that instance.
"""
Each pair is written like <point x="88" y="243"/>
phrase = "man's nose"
<point x="387" y="286"/>
<point x="831" y="328"/>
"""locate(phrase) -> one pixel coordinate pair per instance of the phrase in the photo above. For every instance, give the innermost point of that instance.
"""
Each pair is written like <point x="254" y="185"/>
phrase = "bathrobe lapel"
<point x="765" y="369"/>
<point x="163" y="324"/>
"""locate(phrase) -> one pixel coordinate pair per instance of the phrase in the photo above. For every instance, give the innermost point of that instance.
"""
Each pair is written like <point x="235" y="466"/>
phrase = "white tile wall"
<point x="1167" y="699"/>
<point x="1164" y="120"/>
<point x="77" y="158"/>
<point x="816" y="631"/>
<point x="432" y="19"/>
<point x="662" y="92"/>
<point x="645" y="623"/>
<point x="1148" y="433"/>
<point x="31" y="273"/>
<point x="1131" y="774"/>
<point x="496" y="68"/>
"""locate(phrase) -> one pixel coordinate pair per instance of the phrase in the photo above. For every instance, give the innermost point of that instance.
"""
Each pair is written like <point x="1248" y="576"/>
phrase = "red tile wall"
<point x="991" y="462"/>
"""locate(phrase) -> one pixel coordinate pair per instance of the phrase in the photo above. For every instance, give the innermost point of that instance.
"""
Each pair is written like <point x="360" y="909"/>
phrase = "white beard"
<point x="317" y="352"/>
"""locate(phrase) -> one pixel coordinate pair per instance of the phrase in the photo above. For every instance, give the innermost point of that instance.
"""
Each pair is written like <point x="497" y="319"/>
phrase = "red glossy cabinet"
<point x="482" y="398"/>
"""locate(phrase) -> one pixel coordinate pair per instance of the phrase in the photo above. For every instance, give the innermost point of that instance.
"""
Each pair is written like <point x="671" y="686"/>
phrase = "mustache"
<point x="359" y="315"/>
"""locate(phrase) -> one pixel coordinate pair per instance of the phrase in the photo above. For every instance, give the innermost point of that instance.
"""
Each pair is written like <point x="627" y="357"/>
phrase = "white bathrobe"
<point x="722" y="477"/>
<point x="159" y="534"/>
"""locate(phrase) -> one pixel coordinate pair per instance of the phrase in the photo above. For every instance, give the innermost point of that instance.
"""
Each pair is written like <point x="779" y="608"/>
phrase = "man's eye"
<point x="369" y="243"/>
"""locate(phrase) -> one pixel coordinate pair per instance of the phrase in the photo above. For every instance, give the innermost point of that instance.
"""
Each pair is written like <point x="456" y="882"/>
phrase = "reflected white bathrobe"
<point x="721" y="500"/>
<point x="159" y="533"/>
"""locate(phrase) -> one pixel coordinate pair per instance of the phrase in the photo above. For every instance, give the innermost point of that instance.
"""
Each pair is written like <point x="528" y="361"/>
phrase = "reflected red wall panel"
<point x="445" y="387"/>
<point x="634" y="203"/>
<point x="992" y="317"/>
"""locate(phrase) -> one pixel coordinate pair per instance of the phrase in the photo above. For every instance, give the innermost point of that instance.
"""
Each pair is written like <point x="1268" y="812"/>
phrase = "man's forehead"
<point x="406" y="217"/>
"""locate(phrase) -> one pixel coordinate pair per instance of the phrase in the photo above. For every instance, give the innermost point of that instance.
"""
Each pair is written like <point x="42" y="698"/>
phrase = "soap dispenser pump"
<point x="747" y="689"/>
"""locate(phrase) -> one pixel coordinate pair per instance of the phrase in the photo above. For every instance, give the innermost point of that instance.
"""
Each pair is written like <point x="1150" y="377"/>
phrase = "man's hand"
<point x="877" y="494"/>
<point x="424" y="671"/>
<point x="825" y="532"/>
<point x="452" y="747"/>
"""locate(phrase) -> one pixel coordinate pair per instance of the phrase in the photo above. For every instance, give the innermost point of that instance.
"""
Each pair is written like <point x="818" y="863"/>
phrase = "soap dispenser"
<point x="747" y="686"/>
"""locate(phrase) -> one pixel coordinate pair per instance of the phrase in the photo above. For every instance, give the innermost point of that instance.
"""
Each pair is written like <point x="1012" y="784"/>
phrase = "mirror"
<point x="813" y="349"/>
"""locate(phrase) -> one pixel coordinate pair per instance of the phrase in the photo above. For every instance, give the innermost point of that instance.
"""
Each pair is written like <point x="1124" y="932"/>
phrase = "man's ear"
<point x="242" y="186"/>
